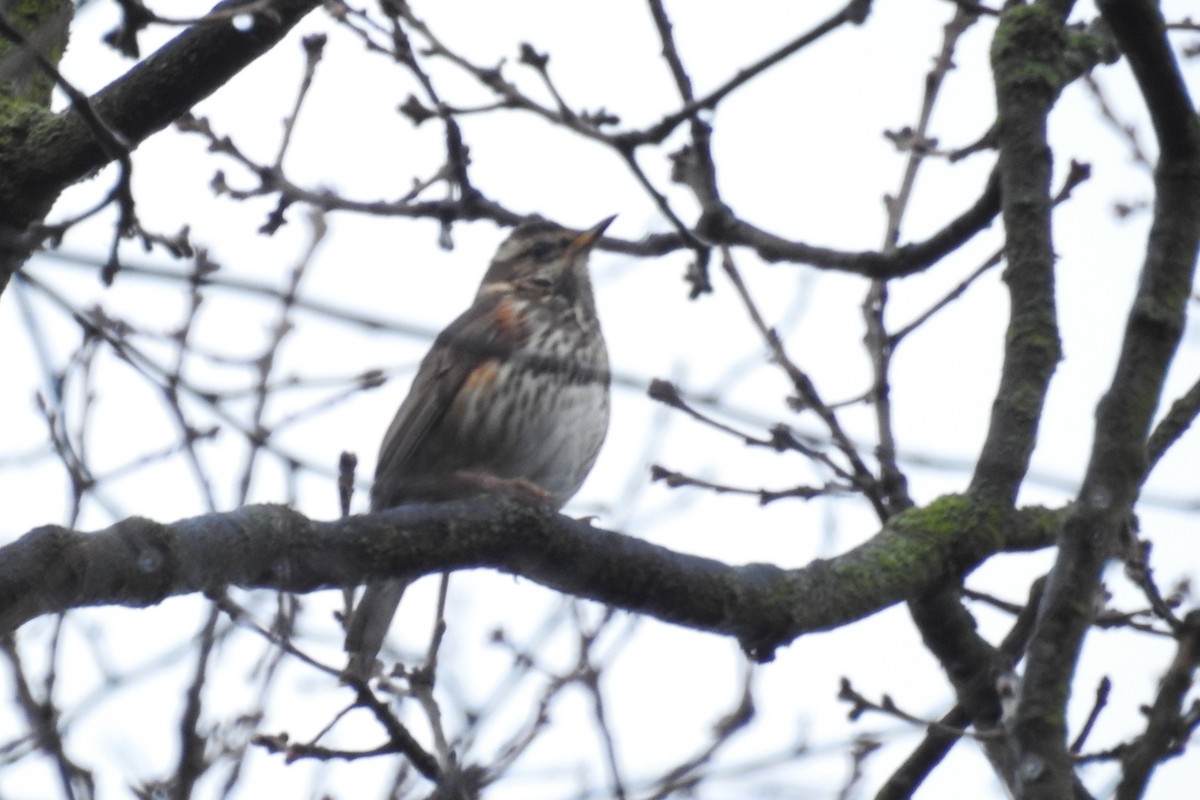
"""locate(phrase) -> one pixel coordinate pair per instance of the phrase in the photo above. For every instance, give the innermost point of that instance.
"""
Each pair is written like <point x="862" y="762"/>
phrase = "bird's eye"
<point x="541" y="283"/>
<point x="540" y="251"/>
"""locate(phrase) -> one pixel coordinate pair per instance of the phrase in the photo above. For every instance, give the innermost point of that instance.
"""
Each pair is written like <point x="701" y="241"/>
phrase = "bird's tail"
<point x="369" y="625"/>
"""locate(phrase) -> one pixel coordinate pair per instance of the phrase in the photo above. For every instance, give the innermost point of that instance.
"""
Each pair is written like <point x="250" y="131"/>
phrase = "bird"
<point x="513" y="396"/>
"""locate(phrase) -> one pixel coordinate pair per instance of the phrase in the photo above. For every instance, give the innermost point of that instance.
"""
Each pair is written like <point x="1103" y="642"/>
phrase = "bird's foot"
<point x="519" y="488"/>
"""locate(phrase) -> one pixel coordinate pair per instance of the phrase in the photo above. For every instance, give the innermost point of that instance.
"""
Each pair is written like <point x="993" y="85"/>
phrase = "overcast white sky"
<point x="800" y="151"/>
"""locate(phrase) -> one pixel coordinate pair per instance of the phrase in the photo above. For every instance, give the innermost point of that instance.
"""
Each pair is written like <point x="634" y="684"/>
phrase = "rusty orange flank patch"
<point x="482" y="376"/>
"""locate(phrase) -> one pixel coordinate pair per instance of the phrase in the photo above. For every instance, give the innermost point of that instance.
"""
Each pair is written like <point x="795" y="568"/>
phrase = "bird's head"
<point x="542" y="259"/>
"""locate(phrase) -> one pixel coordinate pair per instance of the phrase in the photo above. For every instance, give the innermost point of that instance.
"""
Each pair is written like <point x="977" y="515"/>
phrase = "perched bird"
<point x="512" y="395"/>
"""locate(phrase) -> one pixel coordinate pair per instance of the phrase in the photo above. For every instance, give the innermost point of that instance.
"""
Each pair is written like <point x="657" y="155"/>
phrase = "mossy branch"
<point x="138" y="562"/>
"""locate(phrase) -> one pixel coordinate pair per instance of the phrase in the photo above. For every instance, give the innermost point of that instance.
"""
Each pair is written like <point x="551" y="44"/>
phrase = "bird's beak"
<point x="589" y="238"/>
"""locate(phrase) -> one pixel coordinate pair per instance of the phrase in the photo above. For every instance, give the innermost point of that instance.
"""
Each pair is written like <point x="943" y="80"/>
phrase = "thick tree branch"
<point x="62" y="149"/>
<point x="138" y="562"/>
<point x="1026" y="57"/>
<point x="939" y="739"/>
<point x="1118" y="460"/>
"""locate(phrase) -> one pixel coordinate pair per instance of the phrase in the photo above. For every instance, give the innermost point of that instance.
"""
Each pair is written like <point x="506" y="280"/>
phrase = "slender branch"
<point x="1178" y="420"/>
<point x="862" y="477"/>
<point x="854" y="12"/>
<point x="1168" y="726"/>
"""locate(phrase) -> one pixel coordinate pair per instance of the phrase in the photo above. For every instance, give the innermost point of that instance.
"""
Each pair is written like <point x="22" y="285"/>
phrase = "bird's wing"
<point x="485" y="332"/>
